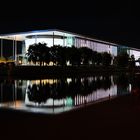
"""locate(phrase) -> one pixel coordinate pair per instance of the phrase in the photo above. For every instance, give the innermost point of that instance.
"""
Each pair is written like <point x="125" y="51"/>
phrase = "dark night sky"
<point x="116" y="21"/>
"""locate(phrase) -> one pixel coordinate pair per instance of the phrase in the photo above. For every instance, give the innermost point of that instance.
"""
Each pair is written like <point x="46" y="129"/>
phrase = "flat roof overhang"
<point x="21" y="36"/>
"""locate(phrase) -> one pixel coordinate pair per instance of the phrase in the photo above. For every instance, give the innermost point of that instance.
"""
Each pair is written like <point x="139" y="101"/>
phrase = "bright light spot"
<point x="69" y="80"/>
<point x="69" y="101"/>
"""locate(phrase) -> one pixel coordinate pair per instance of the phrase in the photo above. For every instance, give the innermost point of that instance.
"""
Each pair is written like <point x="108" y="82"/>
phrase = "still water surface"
<point x="59" y="95"/>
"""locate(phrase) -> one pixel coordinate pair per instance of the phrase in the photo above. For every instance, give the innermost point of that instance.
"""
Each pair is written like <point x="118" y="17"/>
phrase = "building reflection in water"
<point x="58" y="95"/>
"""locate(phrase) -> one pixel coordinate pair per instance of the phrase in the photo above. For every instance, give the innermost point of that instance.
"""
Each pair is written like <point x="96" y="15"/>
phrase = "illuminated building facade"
<point x="58" y="37"/>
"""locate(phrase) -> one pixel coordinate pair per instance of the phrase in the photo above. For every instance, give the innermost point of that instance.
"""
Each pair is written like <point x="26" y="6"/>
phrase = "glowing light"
<point x="45" y="81"/>
<point x="69" y="80"/>
<point x="69" y="41"/>
<point x="69" y="101"/>
<point x="130" y="87"/>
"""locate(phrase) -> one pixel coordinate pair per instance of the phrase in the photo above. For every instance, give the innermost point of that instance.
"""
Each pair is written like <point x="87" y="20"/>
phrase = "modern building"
<point x="20" y="42"/>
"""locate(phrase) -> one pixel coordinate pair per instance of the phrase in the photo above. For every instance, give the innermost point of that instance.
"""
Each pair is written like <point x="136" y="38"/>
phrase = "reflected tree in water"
<point x="39" y="93"/>
<point x="106" y="82"/>
<point x="122" y="80"/>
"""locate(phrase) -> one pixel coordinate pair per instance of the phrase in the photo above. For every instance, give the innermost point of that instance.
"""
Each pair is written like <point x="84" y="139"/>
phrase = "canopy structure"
<point x="21" y="36"/>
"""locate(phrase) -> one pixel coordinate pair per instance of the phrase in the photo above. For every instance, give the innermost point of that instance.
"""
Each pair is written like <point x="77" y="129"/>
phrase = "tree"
<point x="31" y="54"/>
<point x="106" y="59"/>
<point x="132" y="61"/>
<point x="122" y="60"/>
<point x="86" y="55"/>
<point x="38" y="53"/>
<point x="93" y="59"/>
<point x="43" y="53"/>
<point x="62" y="55"/>
<point x="46" y="55"/>
<point x="98" y="58"/>
<point x="53" y="54"/>
<point x="74" y="56"/>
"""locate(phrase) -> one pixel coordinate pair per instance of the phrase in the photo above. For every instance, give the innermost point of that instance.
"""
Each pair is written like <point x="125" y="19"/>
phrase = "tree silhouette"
<point x="106" y="59"/>
<point x="74" y="56"/>
<point x="60" y="56"/>
<point x="122" y="60"/>
<point x="38" y="53"/>
<point x="86" y="55"/>
<point x="132" y="61"/>
<point x="98" y="58"/>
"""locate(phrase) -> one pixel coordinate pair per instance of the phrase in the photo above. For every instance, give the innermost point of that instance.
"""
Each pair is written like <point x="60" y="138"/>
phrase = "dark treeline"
<point x="62" y="56"/>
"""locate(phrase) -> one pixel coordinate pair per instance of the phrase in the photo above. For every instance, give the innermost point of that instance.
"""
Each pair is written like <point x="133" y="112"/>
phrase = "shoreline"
<point x="25" y="72"/>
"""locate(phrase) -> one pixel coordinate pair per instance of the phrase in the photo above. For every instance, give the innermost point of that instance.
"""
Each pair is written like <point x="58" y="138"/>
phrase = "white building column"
<point x="53" y="38"/>
<point x="1" y="48"/>
<point x="15" y="50"/>
<point x="35" y="39"/>
<point x="15" y="92"/>
<point x="64" y="40"/>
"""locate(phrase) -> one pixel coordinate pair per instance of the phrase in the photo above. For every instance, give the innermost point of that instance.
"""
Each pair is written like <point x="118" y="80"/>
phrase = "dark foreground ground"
<point x="115" y="119"/>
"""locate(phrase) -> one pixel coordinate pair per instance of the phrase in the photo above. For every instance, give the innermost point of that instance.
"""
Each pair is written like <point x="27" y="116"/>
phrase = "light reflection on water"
<point x="60" y="95"/>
